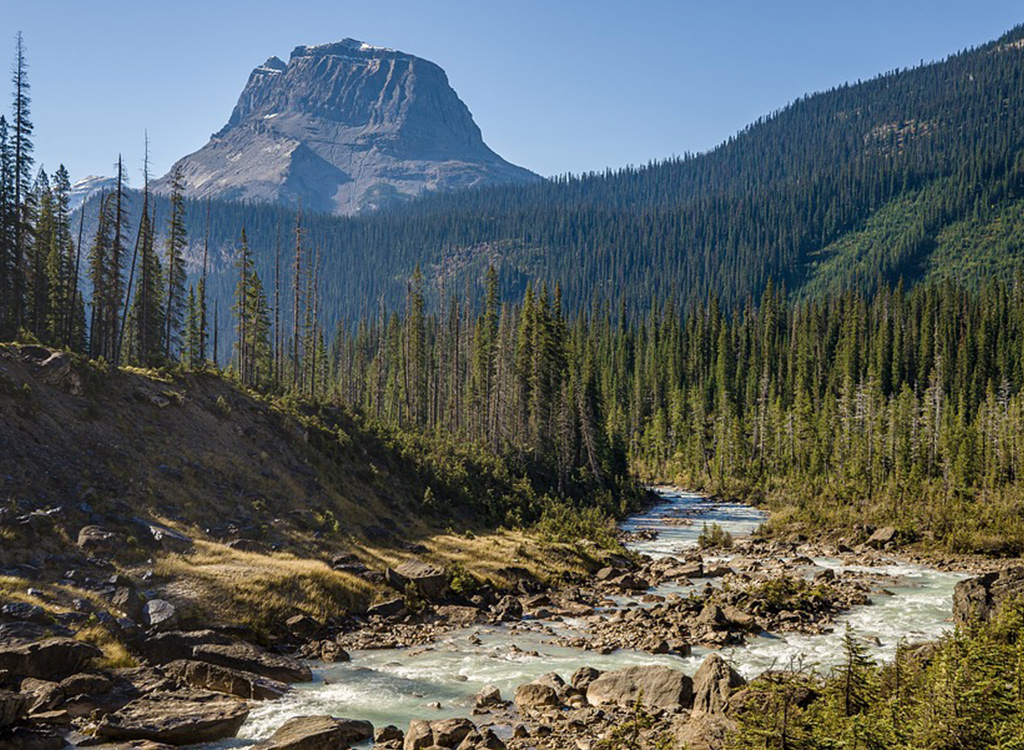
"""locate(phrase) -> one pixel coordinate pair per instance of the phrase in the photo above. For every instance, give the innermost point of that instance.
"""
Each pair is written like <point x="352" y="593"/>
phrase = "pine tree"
<point x="177" y="241"/>
<point x="22" y="176"/>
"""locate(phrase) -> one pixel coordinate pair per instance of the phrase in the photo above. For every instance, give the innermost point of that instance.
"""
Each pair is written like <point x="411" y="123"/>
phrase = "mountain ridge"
<point x="344" y="128"/>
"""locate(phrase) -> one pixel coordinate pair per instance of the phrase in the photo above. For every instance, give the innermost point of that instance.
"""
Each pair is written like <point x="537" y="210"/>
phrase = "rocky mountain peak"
<point x="345" y="127"/>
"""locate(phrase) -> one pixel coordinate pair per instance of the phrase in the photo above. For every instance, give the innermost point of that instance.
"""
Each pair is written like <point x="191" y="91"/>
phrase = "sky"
<point x="555" y="85"/>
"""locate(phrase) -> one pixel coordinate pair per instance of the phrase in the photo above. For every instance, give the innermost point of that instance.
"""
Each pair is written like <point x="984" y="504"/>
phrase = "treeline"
<point x="140" y="311"/>
<point x="864" y="184"/>
<point x="903" y="407"/>
<point x="964" y="691"/>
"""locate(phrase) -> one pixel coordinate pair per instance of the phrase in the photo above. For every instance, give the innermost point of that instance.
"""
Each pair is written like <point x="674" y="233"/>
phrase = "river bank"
<point x="668" y="606"/>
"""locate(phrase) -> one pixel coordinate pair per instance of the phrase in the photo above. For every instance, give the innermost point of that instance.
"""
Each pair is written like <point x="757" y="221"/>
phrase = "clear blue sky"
<point x="555" y="85"/>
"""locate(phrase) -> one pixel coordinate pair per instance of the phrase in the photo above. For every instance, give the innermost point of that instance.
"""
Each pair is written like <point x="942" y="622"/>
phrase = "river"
<point x="393" y="686"/>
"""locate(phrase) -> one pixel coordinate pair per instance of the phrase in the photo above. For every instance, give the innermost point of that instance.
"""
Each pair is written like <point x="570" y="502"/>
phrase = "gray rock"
<point x="200" y="674"/>
<point x="13" y="706"/>
<point x="249" y="658"/>
<point x="429" y="580"/>
<point x="159" y="615"/>
<point x="179" y="644"/>
<point x="713" y="684"/>
<point x="47" y="659"/>
<point x="882" y="537"/>
<point x="446" y="733"/>
<point x="489" y="697"/>
<point x="180" y="718"/>
<point x="978" y="599"/>
<point x="99" y="540"/>
<point x="660" y="687"/>
<point x="534" y="696"/>
<point x="344" y="128"/>
<point x="390" y="608"/>
<point x="317" y="733"/>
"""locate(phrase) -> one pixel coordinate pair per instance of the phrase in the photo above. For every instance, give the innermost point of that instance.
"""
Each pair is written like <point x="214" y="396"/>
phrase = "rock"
<point x="159" y="615"/>
<point x="583" y="676"/>
<point x="481" y="739"/>
<point x="978" y="599"/>
<point x="48" y="659"/>
<point x="126" y="685"/>
<point x="345" y="128"/>
<point x="96" y="539"/>
<point x="508" y="609"/>
<point x="179" y="718"/>
<point x="249" y="658"/>
<point x="711" y="617"/>
<point x="25" y="612"/>
<point x="428" y="580"/>
<point x="489" y="697"/>
<point x="32" y="738"/>
<point x="533" y="696"/>
<point x="737" y="618"/>
<point x="704" y="732"/>
<point x="128" y="601"/>
<point x="164" y="537"/>
<point x="205" y="676"/>
<point x="302" y="626"/>
<point x="13" y="706"/>
<point x="317" y="733"/>
<point x="825" y="576"/>
<point x="713" y="684"/>
<point x="445" y="733"/>
<point x="629" y="582"/>
<point x="882" y="537"/>
<point x="44" y="695"/>
<point x="390" y="733"/>
<point x="661" y="688"/>
<point x="249" y="545"/>
<point x="85" y="683"/>
<point x="390" y="608"/>
<point x="179" y="644"/>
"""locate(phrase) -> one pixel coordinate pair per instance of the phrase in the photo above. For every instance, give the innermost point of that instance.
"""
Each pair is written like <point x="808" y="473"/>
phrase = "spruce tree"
<point x="177" y="241"/>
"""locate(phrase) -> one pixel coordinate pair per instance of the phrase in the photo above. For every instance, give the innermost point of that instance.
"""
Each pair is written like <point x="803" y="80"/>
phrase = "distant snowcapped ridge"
<point x="345" y="127"/>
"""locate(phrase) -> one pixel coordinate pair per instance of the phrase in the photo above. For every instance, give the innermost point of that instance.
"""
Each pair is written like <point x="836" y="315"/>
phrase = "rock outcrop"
<point x="978" y="599"/>
<point x="180" y="718"/>
<point x="656" y="686"/>
<point x="344" y="128"/>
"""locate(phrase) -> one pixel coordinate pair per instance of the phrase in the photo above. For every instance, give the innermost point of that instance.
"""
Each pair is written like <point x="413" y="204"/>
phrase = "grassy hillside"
<point x="269" y="490"/>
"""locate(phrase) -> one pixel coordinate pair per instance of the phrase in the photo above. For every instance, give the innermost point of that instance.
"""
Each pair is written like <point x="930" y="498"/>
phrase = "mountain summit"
<point x="345" y="128"/>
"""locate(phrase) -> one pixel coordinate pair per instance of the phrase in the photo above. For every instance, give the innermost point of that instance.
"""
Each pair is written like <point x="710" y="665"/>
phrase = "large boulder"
<point x="249" y="658"/>
<point x="391" y="608"/>
<point x="32" y="738"/>
<point x="714" y="682"/>
<point x="446" y="733"/>
<point x="660" y="687"/>
<point x="978" y="599"/>
<point x="48" y="659"/>
<point x="882" y="537"/>
<point x="179" y="644"/>
<point x="317" y="733"/>
<point x="508" y="609"/>
<point x="537" y="696"/>
<point x="200" y="674"/>
<point x="179" y="718"/>
<point x="13" y="707"/>
<point x="429" y="581"/>
<point x="98" y="540"/>
<point x="163" y="537"/>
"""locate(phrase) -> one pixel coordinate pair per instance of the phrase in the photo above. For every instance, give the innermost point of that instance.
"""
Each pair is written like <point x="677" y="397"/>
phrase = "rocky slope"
<point x="345" y="128"/>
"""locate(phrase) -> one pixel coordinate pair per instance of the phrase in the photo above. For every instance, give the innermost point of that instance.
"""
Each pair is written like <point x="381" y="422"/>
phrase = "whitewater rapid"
<point x="393" y="686"/>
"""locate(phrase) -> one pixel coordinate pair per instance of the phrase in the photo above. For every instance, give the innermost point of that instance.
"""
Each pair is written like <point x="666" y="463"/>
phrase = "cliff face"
<point x="345" y="128"/>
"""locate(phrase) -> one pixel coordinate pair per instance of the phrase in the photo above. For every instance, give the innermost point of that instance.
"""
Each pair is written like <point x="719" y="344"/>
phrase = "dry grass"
<point x="225" y="585"/>
<point x="115" y="655"/>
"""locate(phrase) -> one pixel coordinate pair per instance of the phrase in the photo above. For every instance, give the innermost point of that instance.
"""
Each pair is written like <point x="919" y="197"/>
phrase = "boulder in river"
<point x="317" y="733"/>
<point x="446" y="733"/>
<point x="713" y="684"/>
<point x="205" y="676"/>
<point x="660" y="687"/>
<point x="537" y="696"/>
<point x="249" y="658"/>
<point x="176" y="718"/>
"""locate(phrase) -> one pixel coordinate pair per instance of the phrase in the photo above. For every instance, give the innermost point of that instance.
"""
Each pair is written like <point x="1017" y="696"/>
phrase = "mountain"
<point x="915" y="174"/>
<point x="345" y="128"/>
<point x="84" y="189"/>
